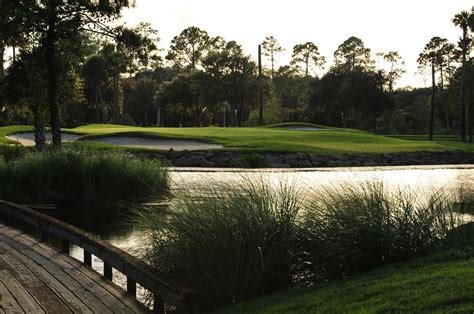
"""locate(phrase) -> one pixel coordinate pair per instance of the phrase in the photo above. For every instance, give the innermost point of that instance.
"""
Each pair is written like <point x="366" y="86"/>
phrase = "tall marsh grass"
<point x="240" y="241"/>
<point x="81" y="175"/>
<point x="352" y="228"/>
<point x="231" y="244"/>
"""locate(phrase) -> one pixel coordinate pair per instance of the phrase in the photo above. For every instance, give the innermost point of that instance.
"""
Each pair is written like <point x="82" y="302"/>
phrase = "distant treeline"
<point x="98" y="74"/>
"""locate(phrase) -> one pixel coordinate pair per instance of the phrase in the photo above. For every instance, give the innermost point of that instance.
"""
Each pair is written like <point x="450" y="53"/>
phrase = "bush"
<point x="253" y="160"/>
<point x="354" y="228"/>
<point x="231" y="244"/>
<point x="11" y="152"/>
<point x="80" y="174"/>
<point x="239" y="242"/>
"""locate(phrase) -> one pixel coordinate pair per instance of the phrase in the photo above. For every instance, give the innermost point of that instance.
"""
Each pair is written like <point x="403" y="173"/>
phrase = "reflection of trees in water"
<point x="465" y="192"/>
<point x="104" y="221"/>
<point x="465" y="199"/>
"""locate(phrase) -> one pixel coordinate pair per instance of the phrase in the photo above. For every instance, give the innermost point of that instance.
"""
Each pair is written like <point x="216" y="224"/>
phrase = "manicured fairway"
<point x="273" y="139"/>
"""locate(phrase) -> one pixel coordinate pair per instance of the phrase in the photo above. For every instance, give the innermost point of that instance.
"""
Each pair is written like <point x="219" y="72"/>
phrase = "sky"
<point x="403" y="25"/>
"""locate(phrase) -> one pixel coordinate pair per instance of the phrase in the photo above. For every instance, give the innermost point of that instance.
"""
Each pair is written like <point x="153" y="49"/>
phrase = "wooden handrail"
<point x="133" y="268"/>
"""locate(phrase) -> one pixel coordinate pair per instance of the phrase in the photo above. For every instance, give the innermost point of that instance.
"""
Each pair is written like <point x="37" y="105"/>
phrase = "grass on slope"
<point x="274" y="139"/>
<point x="7" y="130"/>
<point x="439" y="283"/>
<point x="270" y="139"/>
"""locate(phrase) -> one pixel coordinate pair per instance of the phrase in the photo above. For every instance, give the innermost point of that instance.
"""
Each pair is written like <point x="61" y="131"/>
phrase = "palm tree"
<point x="462" y="20"/>
<point x="432" y="55"/>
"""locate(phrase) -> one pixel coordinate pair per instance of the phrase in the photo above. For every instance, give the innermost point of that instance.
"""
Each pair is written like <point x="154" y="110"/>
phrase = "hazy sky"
<point x="403" y="25"/>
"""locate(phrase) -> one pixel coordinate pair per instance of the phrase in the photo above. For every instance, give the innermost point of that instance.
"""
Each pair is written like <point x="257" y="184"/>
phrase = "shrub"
<point x="11" y="152"/>
<point x="231" y="244"/>
<point x="80" y="174"/>
<point x="253" y="160"/>
<point x="352" y="228"/>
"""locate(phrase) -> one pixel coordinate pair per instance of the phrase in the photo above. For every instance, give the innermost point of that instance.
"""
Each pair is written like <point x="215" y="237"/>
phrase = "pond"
<point x="424" y="180"/>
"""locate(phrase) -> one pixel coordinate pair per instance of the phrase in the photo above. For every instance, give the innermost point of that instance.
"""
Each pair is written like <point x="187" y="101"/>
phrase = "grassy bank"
<point x="275" y="138"/>
<point x="240" y="242"/>
<point x="7" y="130"/>
<point x="80" y="175"/>
<point x="440" y="283"/>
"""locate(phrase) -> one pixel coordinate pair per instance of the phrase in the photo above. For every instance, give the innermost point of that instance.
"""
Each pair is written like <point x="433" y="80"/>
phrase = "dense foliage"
<point x="79" y="175"/>
<point x="118" y="75"/>
<point x="238" y="242"/>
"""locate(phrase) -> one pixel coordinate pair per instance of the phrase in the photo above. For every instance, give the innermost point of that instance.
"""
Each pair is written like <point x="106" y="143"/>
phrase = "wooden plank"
<point x="67" y="262"/>
<point x="110" y="301"/>
<point x="45" y="297"/>
<point x="112" y="298"/>
<point x="70" y="284"/>
<point x="24" y="299"/>
<point x="127" y="264"/>
<point x="71" y="300"/>
<point x="7" y="302"/>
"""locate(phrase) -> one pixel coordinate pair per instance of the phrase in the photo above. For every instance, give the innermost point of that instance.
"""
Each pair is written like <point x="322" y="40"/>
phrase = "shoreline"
<point x="327" y="169"/>
<point x="249" y="160"/>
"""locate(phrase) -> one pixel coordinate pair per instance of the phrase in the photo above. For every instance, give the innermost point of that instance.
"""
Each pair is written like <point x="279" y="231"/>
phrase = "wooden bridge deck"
<point x="35" y="278"/>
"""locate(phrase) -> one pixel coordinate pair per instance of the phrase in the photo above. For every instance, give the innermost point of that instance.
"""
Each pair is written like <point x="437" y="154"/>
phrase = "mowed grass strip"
<point x="273" y="139"/>
<point x="440" y="283"/>
<point x="7" y="130"/>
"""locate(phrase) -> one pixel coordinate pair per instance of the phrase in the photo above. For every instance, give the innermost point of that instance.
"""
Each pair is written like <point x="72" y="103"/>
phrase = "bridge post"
<point x="87" y="258"/>
<point x="44" y="236"/>
<point x="132" y="287"/>
<point x="158" y="305"/>
<point x="65" y="244"/>
<point x="107" y="271"/>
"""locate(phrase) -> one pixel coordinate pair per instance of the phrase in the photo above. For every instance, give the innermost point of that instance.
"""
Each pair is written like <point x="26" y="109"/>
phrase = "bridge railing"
<point x="135" y="270"/>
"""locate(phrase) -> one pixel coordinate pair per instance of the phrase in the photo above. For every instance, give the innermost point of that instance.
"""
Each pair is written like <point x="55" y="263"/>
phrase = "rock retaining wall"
<point x="307" y="160"/>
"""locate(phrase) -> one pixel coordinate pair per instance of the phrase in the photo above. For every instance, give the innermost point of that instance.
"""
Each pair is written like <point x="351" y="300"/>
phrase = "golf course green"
<point x="272" y="139"/>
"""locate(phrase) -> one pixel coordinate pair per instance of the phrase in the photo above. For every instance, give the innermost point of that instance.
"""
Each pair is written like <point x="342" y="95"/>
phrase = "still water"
<point x="423" y="180"/>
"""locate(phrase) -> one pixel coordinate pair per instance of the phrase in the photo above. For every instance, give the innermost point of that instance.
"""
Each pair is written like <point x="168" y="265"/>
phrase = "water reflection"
<point x="112" y="225"/>
<point x="423" y="179"/>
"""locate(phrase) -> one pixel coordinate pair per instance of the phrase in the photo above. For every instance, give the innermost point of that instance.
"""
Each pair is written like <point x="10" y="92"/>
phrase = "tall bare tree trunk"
<point x="471" y="120"/>
<point x="242" y="98"/>
<point x="2" y="60"/>
<point x="433" y="94"/>
<point x="260" y="79"/>
<point x="463" y="86"/>
<point x="52" y="75"/>
<point x="116" y="97"/>
<point x="40" y="137"/>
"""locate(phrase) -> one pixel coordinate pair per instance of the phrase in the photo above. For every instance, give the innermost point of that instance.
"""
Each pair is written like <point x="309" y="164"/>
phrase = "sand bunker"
<point x="28" y="139"/>
<point x="304" y="128"/>
<point x="155" y="143"/>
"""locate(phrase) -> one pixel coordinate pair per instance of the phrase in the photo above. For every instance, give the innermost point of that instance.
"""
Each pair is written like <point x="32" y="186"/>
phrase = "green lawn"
<point x="439" y="283"/>
<point x="6" y="130"/>
<point x="275" y="139"/>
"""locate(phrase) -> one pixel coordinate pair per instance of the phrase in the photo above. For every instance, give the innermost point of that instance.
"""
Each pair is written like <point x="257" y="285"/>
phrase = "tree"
<point x="231" y="74"/>
<point x="56" y="20"/>
<point x="135" y="48"/>
<point x="94" y="72"/>
<point x="461" y="20"/>
<point x="183" y="98"/>
<point x="189" y="48"/>
<point x="395" y="61"/>
<point x="352" y="54"/>
<point x="432" y="54"/>
<point x="308" y="55"/>
<point x="271" y="48"/>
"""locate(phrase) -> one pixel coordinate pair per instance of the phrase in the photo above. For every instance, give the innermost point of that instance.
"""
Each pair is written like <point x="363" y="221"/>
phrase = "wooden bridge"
<point x="35" y="277"/>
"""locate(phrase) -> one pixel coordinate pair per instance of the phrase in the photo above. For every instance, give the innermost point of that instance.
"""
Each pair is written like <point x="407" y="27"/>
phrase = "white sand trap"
<point x="155" y="143"/>
<point x="28" y="139"/>
<point x="304" y="128"/>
